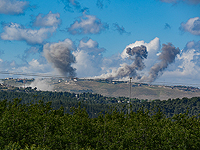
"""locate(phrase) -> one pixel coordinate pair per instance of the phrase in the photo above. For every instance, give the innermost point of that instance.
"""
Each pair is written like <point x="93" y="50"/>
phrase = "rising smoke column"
<point x="167" y="57"/>
<point x="139" y="53"/>
<point x="60" y="56"/>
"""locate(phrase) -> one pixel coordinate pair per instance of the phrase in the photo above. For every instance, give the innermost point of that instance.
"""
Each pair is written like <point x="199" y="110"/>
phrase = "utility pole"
<point x="130" y="90"/>
<point x="129" y="97"/>
<point x="24" y="83"/>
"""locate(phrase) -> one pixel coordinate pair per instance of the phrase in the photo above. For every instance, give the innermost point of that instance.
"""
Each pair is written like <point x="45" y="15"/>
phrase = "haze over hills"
<point x="109" y="88"/>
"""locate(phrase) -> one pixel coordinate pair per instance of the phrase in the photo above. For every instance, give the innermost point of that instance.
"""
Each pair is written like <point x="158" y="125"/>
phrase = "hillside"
<point x="119" y="89"/>
<point x="116" y="88"/>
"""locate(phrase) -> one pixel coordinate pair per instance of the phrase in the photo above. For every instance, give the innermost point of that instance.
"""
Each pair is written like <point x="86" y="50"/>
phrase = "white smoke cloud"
<point x="47" y="20"/>
<point x="192" y="26"/>
<point x="17" y="32"/>
<point x="13" y="7"/>
<point x="87" y="24"/>
<point x="42" y="84"/>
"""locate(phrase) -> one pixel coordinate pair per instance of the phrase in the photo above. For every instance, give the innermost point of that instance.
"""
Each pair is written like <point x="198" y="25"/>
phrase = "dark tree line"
<point x="96" y="103"/>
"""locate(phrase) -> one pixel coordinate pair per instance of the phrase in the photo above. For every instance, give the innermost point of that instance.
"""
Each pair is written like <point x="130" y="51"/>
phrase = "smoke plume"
<point x="60" y="56"/>
<point x="139" y="53"/>
<point x="41" y="84"/>
<point x="167" y="57"/>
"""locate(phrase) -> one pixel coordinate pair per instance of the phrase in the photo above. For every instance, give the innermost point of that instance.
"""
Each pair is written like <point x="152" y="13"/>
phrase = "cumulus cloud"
<point x="90" y="46"/>
<point x="87" y="24"/>
<point x="35" y="66"/>
<point x="13" y="7"/>
<point x="177" y="1"/>
<point x="186" y="67"/>
<point x="89" y="58"/>
<point x="192" y="26"/>
<point x="14" y="31"/>
<point x="152" y="48"/>
<point x="121" y="29"/>
<point x="60" y="56"/>
<point x="129" y="65"/>
<point x="47" y="20"/>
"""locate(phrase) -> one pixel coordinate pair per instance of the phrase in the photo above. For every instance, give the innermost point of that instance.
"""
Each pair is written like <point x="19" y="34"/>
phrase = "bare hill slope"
<point x="117" y="89"/>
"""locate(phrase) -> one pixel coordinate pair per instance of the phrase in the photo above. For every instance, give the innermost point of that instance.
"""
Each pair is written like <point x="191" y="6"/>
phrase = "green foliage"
<point x="96" y="103"/>
<point x="38" y="126"/>
<point x="16" y="146"/>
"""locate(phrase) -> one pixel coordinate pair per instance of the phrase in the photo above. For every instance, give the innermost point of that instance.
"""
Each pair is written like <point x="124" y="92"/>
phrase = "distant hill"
<point x="116" y="88"/>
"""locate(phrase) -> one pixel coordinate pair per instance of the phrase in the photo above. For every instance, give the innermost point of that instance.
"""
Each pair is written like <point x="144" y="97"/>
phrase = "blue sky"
<point x="88" y="38"/>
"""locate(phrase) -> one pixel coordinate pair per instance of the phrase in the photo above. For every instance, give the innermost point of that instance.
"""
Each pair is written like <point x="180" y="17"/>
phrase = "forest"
<point x="96" y="103"/>
<point x="33" y="119"/>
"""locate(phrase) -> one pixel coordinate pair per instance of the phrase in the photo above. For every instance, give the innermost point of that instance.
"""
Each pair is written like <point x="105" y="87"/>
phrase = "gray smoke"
<point x="167" y="57"/>
<point x="60" y="56"/>
<point x="139" y="53"/>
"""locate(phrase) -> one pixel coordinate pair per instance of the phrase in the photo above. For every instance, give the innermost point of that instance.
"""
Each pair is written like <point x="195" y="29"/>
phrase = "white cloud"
<point x="89" y="58"/>
<point x="186" y="68"/>
<point x="32" y="67"/>
<point x="192" y="26"/>
<point x="152" y="48"/>
<point x="87" y="65"/>
<point x="17" y="32"/>
<point x="12" y="7"/>
<point x="35" y="66"/>
<point x="122" y="63"/>
<point x="90" y="46"/>
<point x="87" y="24"/>
<point x="47" y="20"/>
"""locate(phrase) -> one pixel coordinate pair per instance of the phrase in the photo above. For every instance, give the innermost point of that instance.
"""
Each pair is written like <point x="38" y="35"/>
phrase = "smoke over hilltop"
<point x="167" y="56"/>
<point x="60" y="56"/>
<point x="138" y="66"/>
<point x="139" y="53"/>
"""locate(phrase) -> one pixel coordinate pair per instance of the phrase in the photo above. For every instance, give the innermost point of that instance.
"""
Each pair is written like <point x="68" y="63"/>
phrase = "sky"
<point x="155" y="41"/>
